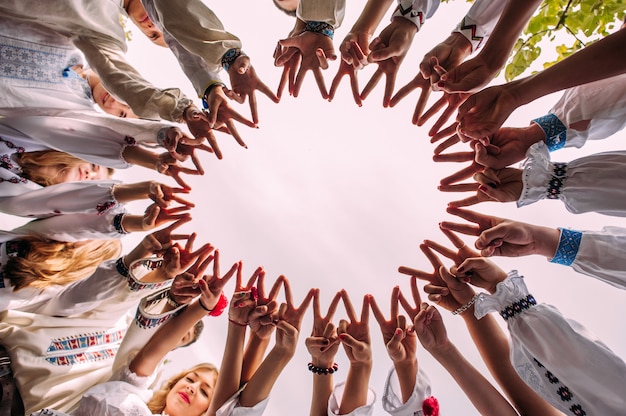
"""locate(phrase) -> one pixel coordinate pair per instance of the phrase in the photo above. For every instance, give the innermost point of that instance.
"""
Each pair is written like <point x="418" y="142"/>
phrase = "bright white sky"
<point x="335" y="196"/>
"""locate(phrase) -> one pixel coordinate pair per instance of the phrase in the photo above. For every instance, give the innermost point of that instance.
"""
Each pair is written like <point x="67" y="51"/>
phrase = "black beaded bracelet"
<point x="323" y="370"/>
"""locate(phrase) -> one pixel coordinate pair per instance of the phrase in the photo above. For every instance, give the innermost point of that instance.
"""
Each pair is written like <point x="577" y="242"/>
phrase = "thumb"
<point x="396" y="339"/>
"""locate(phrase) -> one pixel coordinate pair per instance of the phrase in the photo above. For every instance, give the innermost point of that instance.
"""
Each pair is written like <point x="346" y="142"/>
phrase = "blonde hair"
<point x="44" y="263"/>
<point x="32" y="162"/>
<point x="157" y="403"/>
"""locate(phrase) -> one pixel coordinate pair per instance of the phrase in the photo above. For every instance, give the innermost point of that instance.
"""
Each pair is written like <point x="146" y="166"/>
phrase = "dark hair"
<point x="197" y="331"/>
<point x="288" y="12"/>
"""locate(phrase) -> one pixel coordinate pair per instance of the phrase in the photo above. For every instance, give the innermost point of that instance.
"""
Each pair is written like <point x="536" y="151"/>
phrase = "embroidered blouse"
<point x="559" y="358"/>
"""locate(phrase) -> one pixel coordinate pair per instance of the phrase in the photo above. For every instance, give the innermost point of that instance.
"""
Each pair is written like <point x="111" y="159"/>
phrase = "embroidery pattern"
<point x="469" y="31"/>
<point x="410" y="13"/>
<point x="562" y="392"/>
<point x="556" y="182"/>
<point x="104" y="207"/>
<point x="569" y="243"/>
<point x="146" y="323"/>
<point x="322" y="28"/>
<point x="83" y="357"/>
<point x="518" y="307"/>
<point x="71" y="344"/>
<point x="554" y="129"/>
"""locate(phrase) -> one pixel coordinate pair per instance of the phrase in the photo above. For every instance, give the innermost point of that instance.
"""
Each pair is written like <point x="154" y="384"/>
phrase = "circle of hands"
<point x="491" y="150"/>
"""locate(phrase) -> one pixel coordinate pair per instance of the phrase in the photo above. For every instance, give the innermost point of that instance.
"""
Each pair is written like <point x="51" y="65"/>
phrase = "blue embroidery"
<point x="567" y="250"/>
<point x="322" y="28"/>
<point x="555" y="130"/>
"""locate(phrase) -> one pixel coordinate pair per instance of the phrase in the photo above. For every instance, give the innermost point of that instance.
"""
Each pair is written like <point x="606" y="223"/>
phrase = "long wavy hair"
<point x="43" y="263"/>
<point x="32" y="162"/>
<point x="157" y="403"/>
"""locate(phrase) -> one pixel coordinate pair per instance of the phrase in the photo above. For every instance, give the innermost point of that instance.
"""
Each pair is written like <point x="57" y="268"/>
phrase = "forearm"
<point x="253" y="356"/>
<point x="262" y="382"/>
<point x="407" y="374"/>
<point x="322" y="389"/>
<point x="229" y="379"/>
<point x="514" y="18"/>
<point x="165" y="340"/>
<point x="124" y="193"/>
<point x="595" y="62"/>
<point x="481" y="393"/>
<point x="356" y="388"/>
<point x="371" y="16"/>
<point x="138" y="155"/>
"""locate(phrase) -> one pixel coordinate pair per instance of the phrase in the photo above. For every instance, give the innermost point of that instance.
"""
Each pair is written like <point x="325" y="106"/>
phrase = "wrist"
<point x="124" y="223"/>
<point x="322" y="362"/>
<point x="405" y="365"/>
<point x="409" y="20"/>
<point x="460" y="44"/>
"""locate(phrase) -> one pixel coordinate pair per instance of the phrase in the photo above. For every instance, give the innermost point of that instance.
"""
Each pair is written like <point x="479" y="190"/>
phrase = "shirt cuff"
<point x="554" y="129"/>
<point x="569" y="243"/>
<point x="510" y="298"/>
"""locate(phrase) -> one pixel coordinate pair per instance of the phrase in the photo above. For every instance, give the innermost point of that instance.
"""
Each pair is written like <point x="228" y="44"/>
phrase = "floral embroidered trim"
<point x="117" y="224"/>
<point x="409" y="13"/>
<point x="518" y="307"/>
<point x="104" y="207"/>
<point x="554" y="129"/>
<point x="136" y="286"/>
<point x="569" y="243"/>
<point x="322" y="28"/>
<point x="86" y="340"/>
<point x="145" y="322"/>
<point x="231" y="56"/>
<point x="563" y="392"/>
<point x="10" y="145"/>
<point x="121" y="268"/>
<point x="83" y="357"/>
<point x="556" y="181"/>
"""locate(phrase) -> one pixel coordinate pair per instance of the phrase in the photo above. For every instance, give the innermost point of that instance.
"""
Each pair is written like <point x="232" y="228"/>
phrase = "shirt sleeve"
<point x="595" y="183"/>
<point x="392" y="396"/>
<point x="335" y="401"/>
<point x="327" y="11"/>
<point x="560" y="359"/>
<point x="124" y="82"/>
<point x="197" y="29"/>
<point x="480" y="20"/>
<point x="417" y="11"/>
<point x="233" y="408"/>
<point x="592" y="111"/>
<point x="92" y="197"/>
<point x="75" y="227"/>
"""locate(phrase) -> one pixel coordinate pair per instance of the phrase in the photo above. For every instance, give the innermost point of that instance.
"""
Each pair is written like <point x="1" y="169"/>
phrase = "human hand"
<point x="290" y="59"/>
<point x="186" y="151"/>
<point x="211" y="285"/>
<point x="479" y="272"/>
<point x="437" y="287"/>
<point x="262" y="319"/>
<point x="161" y="240"/>
<point x="177" y="260"/>
<point x="315" y="50"/>
<point x="163" y="195"/>
<point x="448" y="54"/>
<point x="399" y="338"/>
<point x="502" y="237"/>
<point x="354" y="50"/>
<point x="451" y="101"/>
<point x="483" y="113"/>
<point x="469" y="76"/>
<point x="430" y="329"/>
<point x="504" y="185"/>
<point x="508" y="146"/>
<point x="418" y="82"/>
<point x="323" y="343"/>
<point x="175" y="137"/>
<point x="290" y="320"/>
<point x="354" y="334"/>
<point x="153" y="217"/>
<point x="168" y="165"/>
<point x="244" y="81"/>
<point x="389" y="50"/>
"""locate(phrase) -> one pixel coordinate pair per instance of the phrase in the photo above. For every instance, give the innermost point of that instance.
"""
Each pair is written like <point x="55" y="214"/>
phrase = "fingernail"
<point x="483" y="188"/>
<point x="325" y="342"/>
<point x="398" y="331"/>
<point x="493" y="185"/>
<point x="440" y="84"/>
<point x="469" y="273"/>
<point x="460" y="269"/>
<point x="342" y="336"/>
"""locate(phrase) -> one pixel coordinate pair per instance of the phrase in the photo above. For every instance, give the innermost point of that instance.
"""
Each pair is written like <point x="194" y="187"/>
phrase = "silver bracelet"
<point x="466" y="306"/>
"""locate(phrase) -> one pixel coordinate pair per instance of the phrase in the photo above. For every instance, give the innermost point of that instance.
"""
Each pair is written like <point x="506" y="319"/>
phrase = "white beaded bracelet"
<point x="466" y="306"/>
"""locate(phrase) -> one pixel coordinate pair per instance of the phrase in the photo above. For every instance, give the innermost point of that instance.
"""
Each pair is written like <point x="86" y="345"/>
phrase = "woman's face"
<point x="138" y="15"/>
<point x="192" y="394"/>
<point x="83" y="172"/>
<point x="106" y="101"/>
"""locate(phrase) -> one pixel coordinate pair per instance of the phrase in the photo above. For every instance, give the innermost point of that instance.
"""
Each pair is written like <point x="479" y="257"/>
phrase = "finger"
<point x="304" y="305"/>
<point x="334" y="84"/>
<point x="276" y="287"/>
<point x="319" y="79"/>
<point x="466" y="202"/>
<point x="253" y="109"/>
<point x="196" y="162"/>
<point x="267" y="91"/>
<point x="369" y="87"/>
<point x="472" y="216"/>
<point x="462" y="174"/>
<point x="283" y="81"/>
<point x="421" y="104"/>
<point x="288" y="294"/>
<point x="461" y="228"/>
<point x="299" y="80"/>
<point x="354" y="85"/>
<point x="427" y="248"/>
<point x="447" y="132"/>
<point x="443" y="118"/>
<point x="333" y="306"/>
<point x="348" y="306"/>
<point x="329" y="330"/>
<point x="459" y="187"/>
<point x="235" y="133"/>
<point x="456" y="157"/>
<point x="443" y="250"/>
<point x="181" y="200"/>
<point x="454" y="239"/>
<point x="434" y="109"/>
<point x="420" y="274"/>
<point x="390" y="83"/>
<point x="213" y="143"/>
<point x="402" y="92"/>
<point x="378" y="314"/>
<point x="321" y="58"/>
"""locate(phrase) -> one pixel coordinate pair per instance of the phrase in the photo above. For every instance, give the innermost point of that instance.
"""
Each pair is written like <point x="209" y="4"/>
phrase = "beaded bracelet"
<point x="322" y="28"/>
<point x="322" y="370"/>
<point x="466" y="306"/>
<point x="230" y="57"/>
